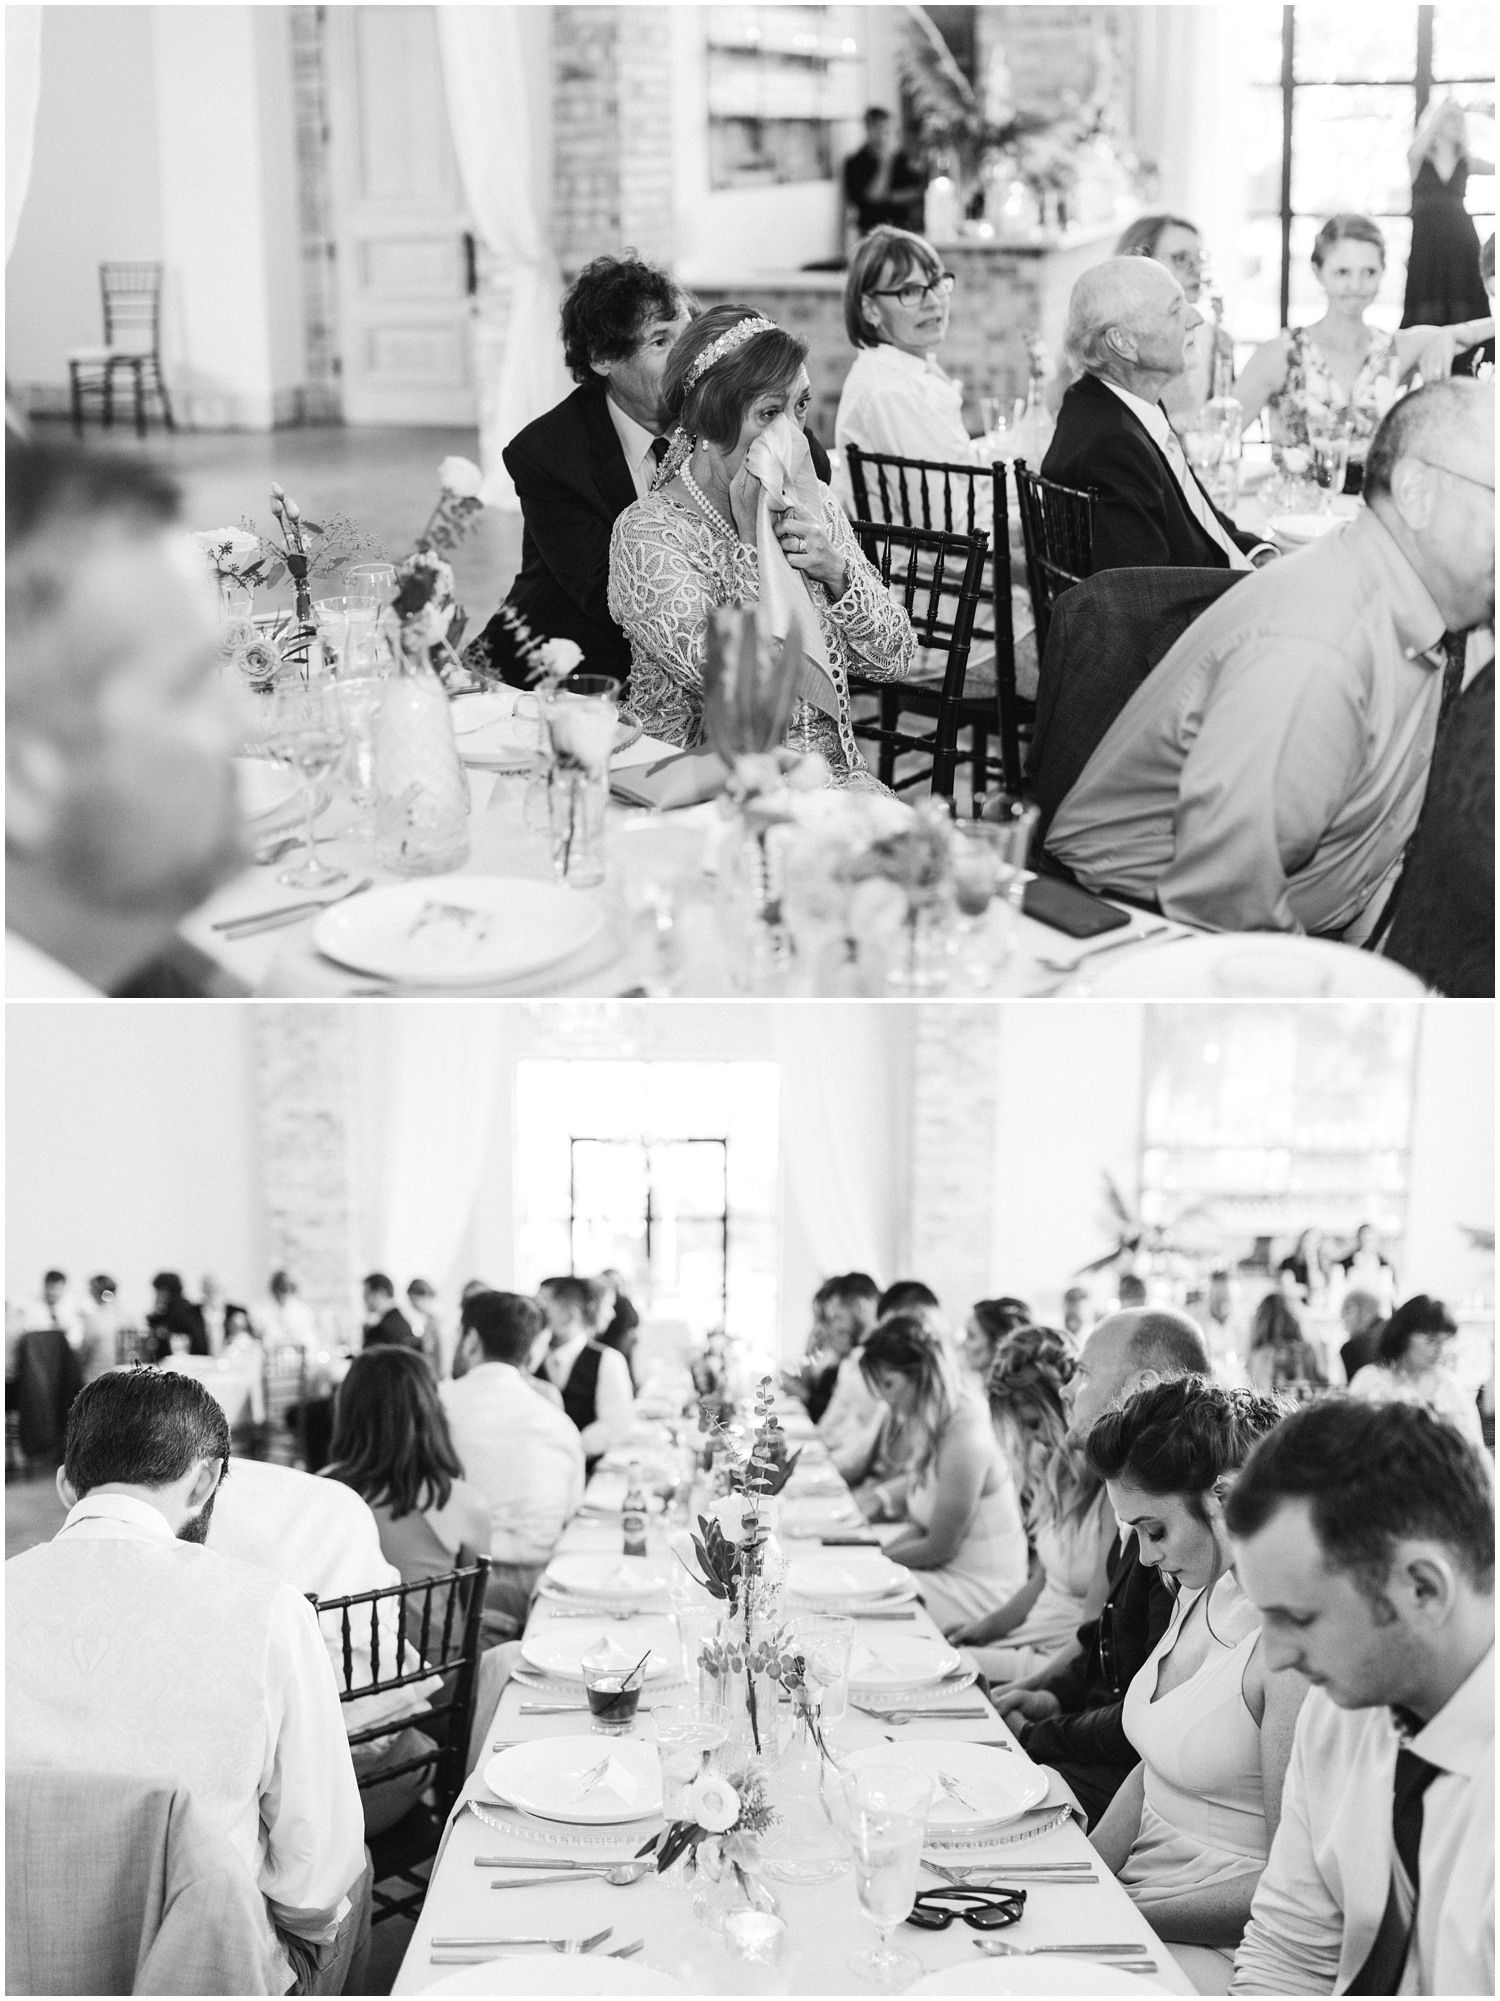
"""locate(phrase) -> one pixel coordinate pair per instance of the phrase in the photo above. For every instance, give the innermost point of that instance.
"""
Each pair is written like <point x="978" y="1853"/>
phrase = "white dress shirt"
<point x="1438" y="1388"/>
<point x="635" y="442"/>
<point x="66" y="1317"/>
<point x="286" y="1323"/>
<point x="851" y="1423"/>
<point x="1319" y="1904"/>
<point x="903" y="404"/>
<point x="129" y="1651"/>
<point x="614" y="1400"/>
<point x="1167" y="442"/>
<point x="523" y="1455"/>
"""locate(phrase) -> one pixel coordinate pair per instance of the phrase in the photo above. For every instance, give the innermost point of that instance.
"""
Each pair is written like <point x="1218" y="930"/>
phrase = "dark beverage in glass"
<point x="613" y="1703"/>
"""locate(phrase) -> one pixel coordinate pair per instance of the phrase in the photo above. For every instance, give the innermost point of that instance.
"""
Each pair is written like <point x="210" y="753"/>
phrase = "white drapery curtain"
<point x="496" y="69"/>
<point x="23" y="87"/>
<point x="836" y="1138"/>
<point x="427" y="1074"/>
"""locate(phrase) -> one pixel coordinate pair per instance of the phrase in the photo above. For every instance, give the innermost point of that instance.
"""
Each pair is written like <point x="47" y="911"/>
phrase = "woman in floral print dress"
<point x="690" y="546"/>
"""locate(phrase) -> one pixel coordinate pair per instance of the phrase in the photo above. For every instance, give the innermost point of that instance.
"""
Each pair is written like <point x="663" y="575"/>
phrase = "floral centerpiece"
<point x="872" y="878"/>
<point x="430" y="618"/>
<point x="243" y="559"/>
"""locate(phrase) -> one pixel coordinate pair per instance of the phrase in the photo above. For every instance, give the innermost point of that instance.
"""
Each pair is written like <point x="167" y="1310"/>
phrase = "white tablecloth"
<point x="824" y="1922"/>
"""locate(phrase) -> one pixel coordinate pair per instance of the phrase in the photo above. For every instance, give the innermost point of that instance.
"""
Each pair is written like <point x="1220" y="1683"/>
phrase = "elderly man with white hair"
<point x="1269" y="772"/>
<point x="1129" y="324"/>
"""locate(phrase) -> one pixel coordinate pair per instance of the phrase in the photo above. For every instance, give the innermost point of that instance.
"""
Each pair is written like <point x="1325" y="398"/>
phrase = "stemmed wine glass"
<point x="1329" y="440"/>
<point x="305" y="729"/>
<point x="888" y="1808"/>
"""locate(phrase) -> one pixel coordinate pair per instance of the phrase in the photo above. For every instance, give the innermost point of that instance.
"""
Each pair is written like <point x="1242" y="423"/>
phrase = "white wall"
<point x="1068" y="1107"/>
<point x="1452" y="1153"/>
<point x="130" y="1145"/>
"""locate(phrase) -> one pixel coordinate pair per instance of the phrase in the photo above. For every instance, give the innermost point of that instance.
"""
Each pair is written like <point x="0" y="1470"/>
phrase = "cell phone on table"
<point x="1071" y="910"/>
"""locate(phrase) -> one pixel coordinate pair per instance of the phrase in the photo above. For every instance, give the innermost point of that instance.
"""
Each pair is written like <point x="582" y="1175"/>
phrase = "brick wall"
<point x="954" y="1107"/>
<point x="305" y="1102"/>
<point x="612" y="127"/>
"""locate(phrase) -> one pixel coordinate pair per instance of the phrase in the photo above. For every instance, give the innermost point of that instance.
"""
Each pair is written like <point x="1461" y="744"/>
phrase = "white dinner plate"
<point x="835" y="1577"/>
<point x="1254" y="965"/>
<point x="898" y="1660"/>
<point x="997" y="1785"/>
<point x="1049" y="1973"/>
<point x="813" y="1518"/>
<point x="491" y="740"/>
<point x="607" y="1576"/>
<point x="542" y="1972"/>
<point x="1300" y="528"/>
<point x="547" y="1778"/>
<point x="559" y="1647"/>
<point x="264" y="786"/>
<point x="458" y="930"/>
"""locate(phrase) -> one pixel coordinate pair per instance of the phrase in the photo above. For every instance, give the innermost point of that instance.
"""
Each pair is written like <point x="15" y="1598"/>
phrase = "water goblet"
<point x="685" y="1738"/>
<point x="305" y="729"/>
<point x="376" y="580"/>
<point x="888" y="1807"/>
<point x="1328" y="442"/>
<point x="977" y="875"/>
<point x="826" y="1640"/>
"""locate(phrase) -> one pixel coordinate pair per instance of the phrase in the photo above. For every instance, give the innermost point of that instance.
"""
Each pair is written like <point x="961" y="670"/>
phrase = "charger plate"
<point x="546" y="1778"/>
<point x="998" y="1785"/>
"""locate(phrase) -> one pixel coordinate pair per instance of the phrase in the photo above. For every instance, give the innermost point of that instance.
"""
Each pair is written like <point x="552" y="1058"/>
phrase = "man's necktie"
<point x="658" y="449"/>
<point x="1455" y="647"/>
<point x="1383" y="1968"/>
<point x="1197" y="499"/>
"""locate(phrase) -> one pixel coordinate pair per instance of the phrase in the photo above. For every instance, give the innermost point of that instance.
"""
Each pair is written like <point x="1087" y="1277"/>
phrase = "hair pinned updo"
<point x="1180" y="1437"/>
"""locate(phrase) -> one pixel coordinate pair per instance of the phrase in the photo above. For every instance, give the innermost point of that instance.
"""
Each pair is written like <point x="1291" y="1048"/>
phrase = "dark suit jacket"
<point x="391" y="1330"/>
<point x="1444" y="927"/>
<point x="1140" y="516"/>
<point x="573" y="483"/>
<point x="1106" y="635"/>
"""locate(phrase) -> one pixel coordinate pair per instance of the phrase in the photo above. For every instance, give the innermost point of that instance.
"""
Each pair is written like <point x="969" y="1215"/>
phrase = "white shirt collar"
<point x="908" y="364"/>
<point x="635" y="440"/>
<point x="1151" y="414"/>
<point x="1461" y="1737"/>
<point x="123" y="1509"/>
<point x="560" y="1360"/>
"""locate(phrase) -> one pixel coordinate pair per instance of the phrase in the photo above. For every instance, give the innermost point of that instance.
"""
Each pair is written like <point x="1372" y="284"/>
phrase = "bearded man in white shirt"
<point x="130" y="1647"/>
<point x="522" y="1453"/>
<point x="1365" y="1533"/>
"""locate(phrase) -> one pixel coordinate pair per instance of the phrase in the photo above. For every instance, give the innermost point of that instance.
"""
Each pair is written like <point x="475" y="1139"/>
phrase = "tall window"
<point x="665" y="1171"/>
<point x="1334" y="98"/>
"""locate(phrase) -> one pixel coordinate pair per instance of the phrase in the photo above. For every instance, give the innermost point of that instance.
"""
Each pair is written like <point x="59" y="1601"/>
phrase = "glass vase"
<point x="919" y="954"/>
<point x="808" y="1839"/>
<point x="757" y="942"/>
<point x="730" y="1880"/>
<point x="421" y="794"/>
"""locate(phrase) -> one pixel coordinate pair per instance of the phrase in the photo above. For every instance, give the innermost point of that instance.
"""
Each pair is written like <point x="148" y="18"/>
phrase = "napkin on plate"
<point x="618" y="1779"/>
<point x="685" y="780"/>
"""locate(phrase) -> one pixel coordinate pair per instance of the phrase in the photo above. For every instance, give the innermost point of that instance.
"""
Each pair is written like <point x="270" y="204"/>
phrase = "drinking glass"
<point x="581" y="718"/>
<point x="359" y="697"/>
<point x="614" y="1692"/>
<point x="826" y="1641"/>
<point x="235" y="603"/>
<point x="888" y="1807"/>
<point x="341" y="621"/>
<point x="305" y="729"/>
<point x="685" y="1736"/>
<point x="376" y="580"/>
<point x="1329" y="442"/>
<point x="654" y="863"/>
<point x="977" y="873"/>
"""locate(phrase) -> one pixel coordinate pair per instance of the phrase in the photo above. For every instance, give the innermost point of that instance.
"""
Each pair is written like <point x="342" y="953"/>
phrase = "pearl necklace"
<point x="706" y="504"/>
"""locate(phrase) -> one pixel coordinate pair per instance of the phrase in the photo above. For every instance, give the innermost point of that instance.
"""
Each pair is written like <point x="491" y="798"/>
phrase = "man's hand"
<point x="1035" y="1705"/>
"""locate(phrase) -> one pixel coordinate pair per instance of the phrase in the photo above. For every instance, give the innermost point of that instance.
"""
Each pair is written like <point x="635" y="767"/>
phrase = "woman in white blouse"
<point x="1412" y="1365"/>
<point x="897" y="398"/>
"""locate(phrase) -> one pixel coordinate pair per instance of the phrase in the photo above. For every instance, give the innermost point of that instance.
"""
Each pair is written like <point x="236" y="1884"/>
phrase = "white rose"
<point x="712" y="1803"/>
<point x="461" y="476"/>
<point x="560" y="656"/>
<point x="234" y="545"/>
<point x="730" y="1513"/>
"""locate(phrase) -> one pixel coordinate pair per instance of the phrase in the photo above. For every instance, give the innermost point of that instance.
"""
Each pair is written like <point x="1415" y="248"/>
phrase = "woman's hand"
<point x="1031" y="1705"/>
<point x="869" y="1501"/>
<point x="808" y="549"/>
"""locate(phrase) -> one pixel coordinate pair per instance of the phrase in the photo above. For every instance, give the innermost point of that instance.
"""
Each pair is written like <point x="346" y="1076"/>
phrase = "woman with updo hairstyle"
<point x="1189" y="1831"/>
<point x="964" y="1537"/>
<point x="1281" y="1356"/>
<point x="1063" y="1501"/>
<point x="737" y="389"/>
<point x="1338" y="364"/>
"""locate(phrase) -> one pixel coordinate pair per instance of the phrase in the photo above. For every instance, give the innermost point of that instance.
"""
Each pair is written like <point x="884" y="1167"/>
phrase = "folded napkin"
<point x="780" y="460"/>
<point x="618" y="1779"/>
<point x="685" y="780"/>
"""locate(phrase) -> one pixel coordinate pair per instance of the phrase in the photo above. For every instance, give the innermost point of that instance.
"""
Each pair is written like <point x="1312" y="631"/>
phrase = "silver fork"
<point x="469" y="1950"/>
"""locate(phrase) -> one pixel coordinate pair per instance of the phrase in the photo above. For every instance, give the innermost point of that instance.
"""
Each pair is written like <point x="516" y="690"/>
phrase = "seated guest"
<point x="1224" y="1329"/>
<point x="130" y="1647"/>
<point x="1128" y="331"/>
<point x="1414" y="1364"/>
<point x="1365" y="1536"/>
<point x="101" y="1328"/>
<point x="386" y="1326"/>
<point x="844" y="1311"/>
<point x="1281" y="1357"/>
<point x="1443" y="929"/>
<point x="392" y="1445"/>
<point x="1078" y="1313"/>
<point x="1362" y="1320"/>
<point x="120" y="804"/>
<point x="54" y="1308"/>
<point x="881" y="184"/>
<point x="1338" y="364"/>
<point x="427" y="1322"/>
<point x="524" y="1456"/>
<point x="1307" y="1266"/>
<point x="593" y="1381"/>
<point x="896" y="397"/>
<point x="1479" y="360"/>
<point x="174" y="1320"/>
<point x="1367" y="1264"/>
<point x="1269" y="773"/>
<point x="736" y="389"/>
<point x="283" y="1320"/>
<point x="1063" y="1500"/>
<point x="1188" y="1832"/>
<point x="987" y="1326"/>
<point x="965" y="1537"/>
<point x="211" y="1307"/>
<point x="1067" y="1713"/>
<point x="618" y="1321"/>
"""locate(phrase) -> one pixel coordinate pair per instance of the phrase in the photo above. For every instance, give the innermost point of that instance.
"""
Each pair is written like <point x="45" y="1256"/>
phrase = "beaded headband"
<point x="716" y="350"/>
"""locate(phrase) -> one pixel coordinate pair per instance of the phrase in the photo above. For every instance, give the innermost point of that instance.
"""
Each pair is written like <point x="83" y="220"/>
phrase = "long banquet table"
<point x="824" y="1922"/>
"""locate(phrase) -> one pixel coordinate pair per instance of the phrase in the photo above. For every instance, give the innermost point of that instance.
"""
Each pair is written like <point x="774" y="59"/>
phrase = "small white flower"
<point x="712" y="1802"/>
<point x="559" y="656"/>
<point x="461" y="476"/>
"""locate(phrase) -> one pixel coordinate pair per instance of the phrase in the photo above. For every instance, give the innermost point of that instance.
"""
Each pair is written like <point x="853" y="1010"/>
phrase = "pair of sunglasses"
<point x="985" y="1910"/>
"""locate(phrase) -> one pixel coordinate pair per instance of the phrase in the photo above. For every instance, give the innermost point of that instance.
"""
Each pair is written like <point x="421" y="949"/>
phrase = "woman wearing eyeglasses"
<point x="897" y="398"/>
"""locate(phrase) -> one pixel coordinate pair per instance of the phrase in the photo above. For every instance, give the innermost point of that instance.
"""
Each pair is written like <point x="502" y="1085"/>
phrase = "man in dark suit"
<point x="386" y="1326"/>
<point x="880" y="183"/>
<point x="579" y="467"/>
<point x="1128" y="327"/>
